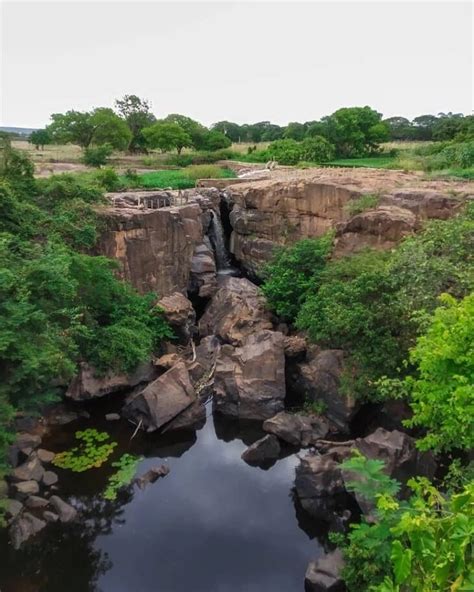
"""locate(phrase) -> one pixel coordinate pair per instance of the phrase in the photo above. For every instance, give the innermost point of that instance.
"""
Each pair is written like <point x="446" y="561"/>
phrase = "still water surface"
<point x="214" y="524"/>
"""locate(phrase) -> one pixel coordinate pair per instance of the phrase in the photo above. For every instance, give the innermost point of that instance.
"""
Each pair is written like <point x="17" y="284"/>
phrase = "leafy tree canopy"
<point x="167" y="136"/>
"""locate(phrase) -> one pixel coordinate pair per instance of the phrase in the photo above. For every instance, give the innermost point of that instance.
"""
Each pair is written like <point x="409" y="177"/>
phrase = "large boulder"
<point x="87" y="384"/>
<point x="265" y="449"/>
<point x="318" y="380"/>
<point x="179" y="313"/>
<point x="380" y="228"/>
<point x="31" y="470"/>
<point x="203" y="278"/>
<point x="324" y="574"/>
<point x="236" y="311"/>
<point x="249" y="381"/>
<point x="399" y="453"/>
<point x="162" y="400"/>
<point x="318" y="484"/>
<point x="297" y="429"/>
<point x="65" y="511"/>
<point x="24" y="527"/>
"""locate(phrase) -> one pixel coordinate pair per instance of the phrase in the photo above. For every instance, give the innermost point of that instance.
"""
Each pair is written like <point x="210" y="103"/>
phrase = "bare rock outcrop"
<point x="265" y="450"/>
<point x="180" y="315"/>
<point x="236" y="311"/>
<point x="324" y="574"/>
<point x="318" y="380"/>
<point x="88" y="385"/>
<point x="162" y="400"/>
<point x="249" y="380"/>
<point x="297" y="429"/>
<point x="154" y="247"/>
<point x="203" y="278"/>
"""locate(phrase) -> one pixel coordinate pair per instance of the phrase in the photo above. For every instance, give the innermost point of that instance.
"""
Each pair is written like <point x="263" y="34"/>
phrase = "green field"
<point x="173" y="179"/>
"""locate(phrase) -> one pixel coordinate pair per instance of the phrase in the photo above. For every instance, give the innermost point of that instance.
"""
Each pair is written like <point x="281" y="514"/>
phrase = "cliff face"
<point x="301" y="204"/>
<point x="154" y="248"/>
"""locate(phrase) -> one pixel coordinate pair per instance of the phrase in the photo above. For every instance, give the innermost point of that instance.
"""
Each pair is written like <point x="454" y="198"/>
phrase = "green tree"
<point x="294" y="131"/>
<point x="424" y="125"/>
<point x="286" y="151"/>
<point x="196" y="131"/>
<point x="317" y="149"/>
<point x="137" y="113"/>
<point x="100" y="126"/>
<point x="400" y="128"/>
<point x="166" y="136"/>
<point x="215" y="140"/>
<point x="229" y="129"/>
<point x="39" y="138"/>
<point x="442" y="391"/>
<point x="356" y="131"/>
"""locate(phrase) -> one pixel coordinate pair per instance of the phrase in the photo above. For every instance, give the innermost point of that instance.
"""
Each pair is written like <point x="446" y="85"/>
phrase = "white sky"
<point x="244" y="62"/>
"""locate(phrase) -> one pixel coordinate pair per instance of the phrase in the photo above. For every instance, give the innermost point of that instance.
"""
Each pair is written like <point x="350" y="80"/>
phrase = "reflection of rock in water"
<point x="228" y="429"/>
<point x="64" y="557"/>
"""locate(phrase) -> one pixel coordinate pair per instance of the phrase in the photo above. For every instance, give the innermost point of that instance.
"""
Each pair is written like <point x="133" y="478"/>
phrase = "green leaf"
<point x="401" y="559"/>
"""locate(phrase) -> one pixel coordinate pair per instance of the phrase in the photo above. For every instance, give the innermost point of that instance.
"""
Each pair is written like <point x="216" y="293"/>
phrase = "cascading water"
<point x="216" y="235"/>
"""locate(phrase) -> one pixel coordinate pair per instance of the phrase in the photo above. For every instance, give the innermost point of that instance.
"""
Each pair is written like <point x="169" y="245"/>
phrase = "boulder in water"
<point x="324" y="574"/>
<point x="297" y="429"/>
<point x="24" y="527"/>
<point x="265" y="449"/>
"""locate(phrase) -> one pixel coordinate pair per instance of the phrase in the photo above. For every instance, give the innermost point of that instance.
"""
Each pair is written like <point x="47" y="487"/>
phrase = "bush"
<point x="442" y="392"/>
<point x="97" y="156"/>
<point x="203" y="171"/>
<point x="108" y="179"/>
<point x="293" y="273"/>
<point x="287" y="152"/>
<point x="317" y="149"/>
<point x="424" y="544"/>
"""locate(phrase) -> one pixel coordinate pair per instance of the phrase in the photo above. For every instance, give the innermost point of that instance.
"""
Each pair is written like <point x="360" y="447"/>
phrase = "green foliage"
<point x="137" y="114"/>
<point x="206" y="171"/>
<point x="108" y="179"/>
<point x="442" y="392"/>
<point x="58" y="305"/>
<point x="424" y="544"/>
<point x="355" y="131"/>
<point x="293" y="273"/>
<point x="127" y="466"/>
<point x="166" y="136"/>
<point x="373" y="305"/>
<point x="362" y="203"/>
<point x="92" y="451"/>
<point x="287" y="152"/>
<point x="100" y="126"/>
<point x="215" y="140"/>
<point x="317" y="149"/>
<point x="39" y="138"/>
<point x="97" y="155"/>
<point x="315" y="407"/>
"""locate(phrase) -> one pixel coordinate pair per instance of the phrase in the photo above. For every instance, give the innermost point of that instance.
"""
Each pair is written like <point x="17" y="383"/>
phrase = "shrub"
<point x="424" y="544"/>
<point x="293" y="272"/>
<point x="97" y="156"/>
<point x="288" y="152"/>
<point x="108" y="179"/>
<point x="442" y="392"/>
<point x="317" y="149"/>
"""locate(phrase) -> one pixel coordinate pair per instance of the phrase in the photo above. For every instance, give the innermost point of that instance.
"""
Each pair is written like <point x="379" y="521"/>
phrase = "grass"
<point x="177" y="179"/>
<point x="362" y="203"/>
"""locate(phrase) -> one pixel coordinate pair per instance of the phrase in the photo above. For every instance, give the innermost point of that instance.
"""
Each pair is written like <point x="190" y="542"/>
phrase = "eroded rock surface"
<point x="162" y="400"/>
<point x="265" y="449"/>
<point x="297" y="429"/>
<point x="249" y="380"/>
<point x="179" y="313"/>
<point x="324" y="574"/>
<point x="236" y="311"/>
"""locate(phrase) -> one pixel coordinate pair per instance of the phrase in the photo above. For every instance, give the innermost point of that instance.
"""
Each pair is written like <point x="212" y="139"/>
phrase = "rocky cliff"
<point x="299" y="204"/>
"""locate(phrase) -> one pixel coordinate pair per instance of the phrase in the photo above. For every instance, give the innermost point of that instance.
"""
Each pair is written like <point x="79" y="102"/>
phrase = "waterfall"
<point x="218" y="242"/>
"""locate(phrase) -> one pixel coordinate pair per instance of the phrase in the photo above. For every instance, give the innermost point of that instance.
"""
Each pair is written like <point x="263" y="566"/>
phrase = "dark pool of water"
<point x="214" y="524"/>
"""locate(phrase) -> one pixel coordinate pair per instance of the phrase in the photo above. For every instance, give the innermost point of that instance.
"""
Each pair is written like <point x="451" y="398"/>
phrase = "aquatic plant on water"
<point x="127" y="466"/>
<point x="93" y="450"/>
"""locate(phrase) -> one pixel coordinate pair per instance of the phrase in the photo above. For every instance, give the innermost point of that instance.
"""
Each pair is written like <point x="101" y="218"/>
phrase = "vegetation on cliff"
<point x="60" y="305"/>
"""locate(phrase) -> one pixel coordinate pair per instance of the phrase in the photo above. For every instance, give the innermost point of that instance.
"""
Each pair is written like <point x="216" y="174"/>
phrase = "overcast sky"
<point x="245" y="62"/>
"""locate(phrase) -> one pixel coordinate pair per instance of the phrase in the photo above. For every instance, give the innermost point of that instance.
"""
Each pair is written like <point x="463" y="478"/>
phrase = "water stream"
<point x="218" y="242"/>
<point x="214" y="524"/>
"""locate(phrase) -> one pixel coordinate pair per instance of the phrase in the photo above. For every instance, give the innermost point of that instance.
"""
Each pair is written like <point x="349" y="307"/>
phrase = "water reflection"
<point x="214" y="524"/>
